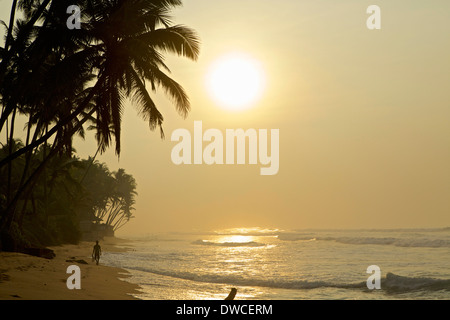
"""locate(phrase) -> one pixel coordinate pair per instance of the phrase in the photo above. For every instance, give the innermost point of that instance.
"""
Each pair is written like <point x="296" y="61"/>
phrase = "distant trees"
<point x="112" y="194"/>
<point x="62" y="80"/>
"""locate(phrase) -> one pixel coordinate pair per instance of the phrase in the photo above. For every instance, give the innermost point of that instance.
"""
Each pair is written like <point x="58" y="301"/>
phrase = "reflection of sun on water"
<point x="235" y="239"/>
<point x="237" y="254"/>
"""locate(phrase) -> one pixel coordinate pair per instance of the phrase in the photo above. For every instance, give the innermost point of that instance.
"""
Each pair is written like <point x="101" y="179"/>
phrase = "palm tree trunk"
<point x="8" y="216"/>
<point x="25" y="169"/>
<point x="9" y="52"/>
<point x="90" y="164"/>
<point x="45" y="183"/>
<point x="11" y="24"/>
<point x="113" y="214"/>
<point x="29" y="153"/>
<point x="120" y="222"/>
<point x="11" y="137"/>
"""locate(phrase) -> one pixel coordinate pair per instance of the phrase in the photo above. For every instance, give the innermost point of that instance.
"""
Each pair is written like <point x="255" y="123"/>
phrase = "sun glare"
<point x="236" y="239"/>
<point x="235" y="81"/>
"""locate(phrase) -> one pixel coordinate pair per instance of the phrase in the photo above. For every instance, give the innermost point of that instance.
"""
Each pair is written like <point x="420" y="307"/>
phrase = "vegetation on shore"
<point x="69" y="191"/>
<point x="64" y="81"/>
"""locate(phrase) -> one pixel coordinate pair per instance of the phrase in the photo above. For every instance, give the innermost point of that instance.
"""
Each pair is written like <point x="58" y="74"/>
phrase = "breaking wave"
<point x="392" y="283"/>
<point x="394" y="241"/>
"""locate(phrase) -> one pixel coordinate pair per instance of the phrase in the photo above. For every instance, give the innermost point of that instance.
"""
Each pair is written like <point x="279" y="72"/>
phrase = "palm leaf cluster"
<point x="63" y="80"/>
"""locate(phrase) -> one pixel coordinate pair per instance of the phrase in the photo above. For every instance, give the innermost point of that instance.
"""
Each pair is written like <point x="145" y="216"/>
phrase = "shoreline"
<point x="26" y="277"/>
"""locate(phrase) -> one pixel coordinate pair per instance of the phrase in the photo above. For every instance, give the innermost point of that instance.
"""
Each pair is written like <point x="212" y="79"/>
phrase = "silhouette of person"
<point x="96" y="252"/>
<point x="232" y="294"/>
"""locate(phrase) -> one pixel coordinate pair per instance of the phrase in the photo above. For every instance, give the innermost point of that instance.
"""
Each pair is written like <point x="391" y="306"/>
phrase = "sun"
<point x="236" y="81"/>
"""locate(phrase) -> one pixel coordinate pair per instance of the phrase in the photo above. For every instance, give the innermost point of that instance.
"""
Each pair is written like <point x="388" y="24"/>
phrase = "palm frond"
<point x="147" y="108"/>
<point x="178" y="39"/>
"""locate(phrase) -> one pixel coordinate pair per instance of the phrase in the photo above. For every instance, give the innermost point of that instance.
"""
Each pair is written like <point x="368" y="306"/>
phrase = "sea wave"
<point x="392" y="283"/>
<point x="229" y="244"/>
<point x="394" y="241"/>
<point x="295" y="237"/>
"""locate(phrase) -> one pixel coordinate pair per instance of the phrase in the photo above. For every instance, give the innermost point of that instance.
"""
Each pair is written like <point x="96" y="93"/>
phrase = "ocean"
<point x="272" y="264"/>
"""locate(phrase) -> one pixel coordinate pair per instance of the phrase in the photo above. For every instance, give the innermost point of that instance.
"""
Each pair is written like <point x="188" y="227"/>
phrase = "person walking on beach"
<point x="96" y="252"/>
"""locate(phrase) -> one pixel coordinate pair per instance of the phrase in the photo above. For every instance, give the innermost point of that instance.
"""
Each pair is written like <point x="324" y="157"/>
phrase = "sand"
<point x="25" y="277"/>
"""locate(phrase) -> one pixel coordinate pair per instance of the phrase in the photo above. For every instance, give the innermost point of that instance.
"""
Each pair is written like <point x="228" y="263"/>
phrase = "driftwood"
<point x="232" y="294"/>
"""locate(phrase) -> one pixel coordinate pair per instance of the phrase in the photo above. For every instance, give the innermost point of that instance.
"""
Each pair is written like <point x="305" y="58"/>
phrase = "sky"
<point x="363" y="119"/>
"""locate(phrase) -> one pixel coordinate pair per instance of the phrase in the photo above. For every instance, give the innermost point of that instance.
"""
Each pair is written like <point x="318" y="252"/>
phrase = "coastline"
<point x="25" y="277"/>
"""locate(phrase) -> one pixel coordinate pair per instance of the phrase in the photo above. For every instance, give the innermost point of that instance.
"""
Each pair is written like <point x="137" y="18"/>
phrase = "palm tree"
<point x="123" y="42"/>
<point x="117" y="53"/>
<point x="122" y="202"/>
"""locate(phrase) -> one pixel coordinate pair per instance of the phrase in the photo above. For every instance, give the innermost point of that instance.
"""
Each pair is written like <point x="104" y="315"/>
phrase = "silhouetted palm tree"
<point x="63" y="78"/>
<point x="123" y="43"/>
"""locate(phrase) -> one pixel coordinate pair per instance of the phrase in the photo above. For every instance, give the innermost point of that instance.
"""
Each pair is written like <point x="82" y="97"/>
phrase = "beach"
<point x="26" y="277"/>
<point x="262" y="264"/>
